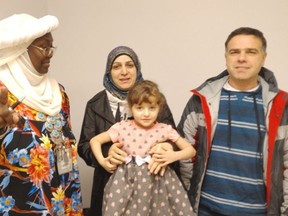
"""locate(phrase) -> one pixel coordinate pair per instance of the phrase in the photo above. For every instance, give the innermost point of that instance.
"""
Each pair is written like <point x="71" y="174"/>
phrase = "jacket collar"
<point x="214" y="85"/>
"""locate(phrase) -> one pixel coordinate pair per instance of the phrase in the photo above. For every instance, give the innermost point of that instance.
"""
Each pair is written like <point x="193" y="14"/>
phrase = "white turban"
<point x="17" y="72"/>
<point x="18" y="31"/>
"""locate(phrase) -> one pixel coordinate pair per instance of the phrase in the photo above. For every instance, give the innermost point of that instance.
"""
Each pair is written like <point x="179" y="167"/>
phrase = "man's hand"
<point x="165" y="157"/>
<point x="155" y="165"/>
<point x="116" y="154"/>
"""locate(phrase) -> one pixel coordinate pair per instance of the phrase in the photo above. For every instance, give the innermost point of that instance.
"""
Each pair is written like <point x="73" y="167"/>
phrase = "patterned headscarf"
<point x="108" y="82"/>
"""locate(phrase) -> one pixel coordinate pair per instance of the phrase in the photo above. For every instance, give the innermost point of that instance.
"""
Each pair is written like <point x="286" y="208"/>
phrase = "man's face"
<point x="244" y="58"/>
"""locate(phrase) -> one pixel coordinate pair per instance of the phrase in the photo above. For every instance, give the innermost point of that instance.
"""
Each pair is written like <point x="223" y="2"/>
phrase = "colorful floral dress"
<point x="131" y="189"/>
<point x="29" y="181"/>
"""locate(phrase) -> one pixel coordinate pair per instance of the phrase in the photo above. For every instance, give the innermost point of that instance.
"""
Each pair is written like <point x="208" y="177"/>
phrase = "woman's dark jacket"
<point x="98" y="117"/>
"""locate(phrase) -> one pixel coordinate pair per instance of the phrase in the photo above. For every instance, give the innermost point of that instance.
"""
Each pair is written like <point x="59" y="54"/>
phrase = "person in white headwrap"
<point x="39" y="172"/>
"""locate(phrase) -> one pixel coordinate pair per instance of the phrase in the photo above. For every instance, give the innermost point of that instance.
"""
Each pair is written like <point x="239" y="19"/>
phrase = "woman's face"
<point x="40" y="61"/>
<point x="123" y="72"/>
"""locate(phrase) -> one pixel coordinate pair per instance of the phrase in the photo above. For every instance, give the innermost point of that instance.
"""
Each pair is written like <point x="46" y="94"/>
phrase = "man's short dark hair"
<point x="247" y="31"/>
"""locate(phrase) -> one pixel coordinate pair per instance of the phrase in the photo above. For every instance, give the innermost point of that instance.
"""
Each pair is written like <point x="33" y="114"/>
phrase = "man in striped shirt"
<point x="239" y="165"/>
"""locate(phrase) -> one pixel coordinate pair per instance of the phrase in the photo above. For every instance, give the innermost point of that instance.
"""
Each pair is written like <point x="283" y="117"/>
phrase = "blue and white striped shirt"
<point x="233" y="183"/>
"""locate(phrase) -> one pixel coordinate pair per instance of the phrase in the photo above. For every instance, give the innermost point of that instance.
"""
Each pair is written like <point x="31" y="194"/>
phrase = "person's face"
<point x="40" y="62"/>
<point x="123" y="72"/>
<point x="145" y="114"/>
<point x="244" y="58"/>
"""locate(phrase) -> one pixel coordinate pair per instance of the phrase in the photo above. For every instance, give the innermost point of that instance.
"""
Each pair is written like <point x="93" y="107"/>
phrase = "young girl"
<point x="132" y="189"/>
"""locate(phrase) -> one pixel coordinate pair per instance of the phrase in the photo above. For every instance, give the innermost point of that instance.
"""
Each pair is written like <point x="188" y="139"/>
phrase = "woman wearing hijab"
<point x="107" y="107"/>
<point x="38" y="154"/>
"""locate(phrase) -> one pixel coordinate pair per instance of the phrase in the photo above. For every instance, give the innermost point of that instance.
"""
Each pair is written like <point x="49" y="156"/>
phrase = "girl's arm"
<point x="168" y="156"/>
<point x="95" y="144"/>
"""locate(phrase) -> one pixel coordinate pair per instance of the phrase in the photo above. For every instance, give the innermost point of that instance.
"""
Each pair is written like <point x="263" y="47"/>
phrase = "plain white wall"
<point x="180" y="44"/>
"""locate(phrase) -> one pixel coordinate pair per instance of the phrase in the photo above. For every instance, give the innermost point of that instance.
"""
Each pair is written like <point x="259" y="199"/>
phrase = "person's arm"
<point x="188" y="128"/>
<point x="95" y="144"/>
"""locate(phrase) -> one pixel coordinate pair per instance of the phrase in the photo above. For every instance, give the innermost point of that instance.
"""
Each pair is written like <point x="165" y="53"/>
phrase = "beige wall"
<point x="180" y="44"/>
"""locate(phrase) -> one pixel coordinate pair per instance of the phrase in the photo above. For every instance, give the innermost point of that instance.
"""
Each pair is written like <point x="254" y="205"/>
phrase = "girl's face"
<point x="123" y="72"/>
<point x="145" y="114"/>
<point x="40" y="61"/>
